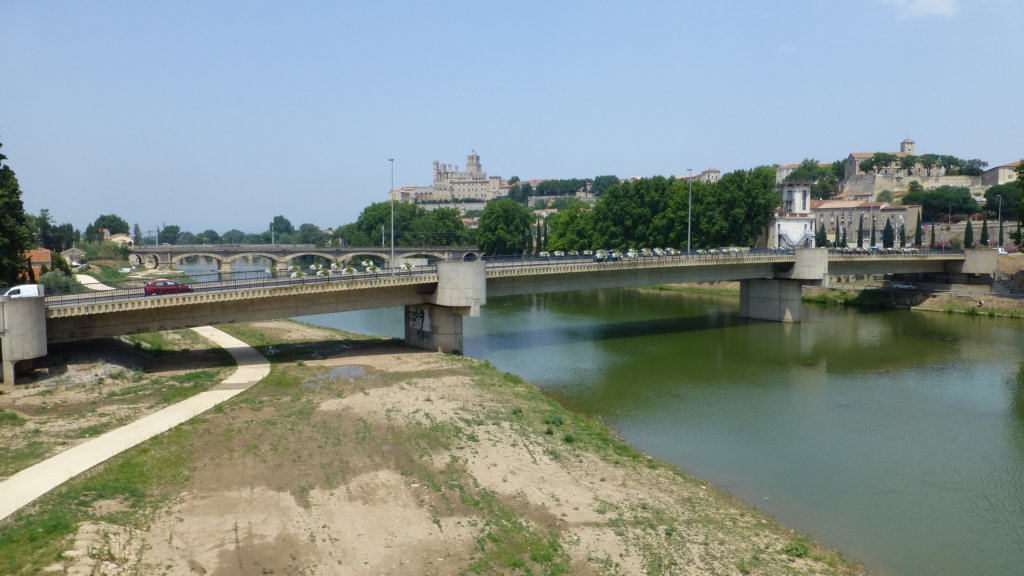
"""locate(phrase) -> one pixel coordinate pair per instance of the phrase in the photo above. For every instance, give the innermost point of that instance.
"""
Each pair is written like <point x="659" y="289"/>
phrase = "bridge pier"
<point x="431" y="327"/>
<point x="776" y="300"/>
<point x="22" y="333"/>
<point x="437" y="325"/>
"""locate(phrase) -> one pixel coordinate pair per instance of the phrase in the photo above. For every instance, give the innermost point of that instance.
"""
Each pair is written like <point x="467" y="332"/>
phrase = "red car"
<point x="164" y="286"/>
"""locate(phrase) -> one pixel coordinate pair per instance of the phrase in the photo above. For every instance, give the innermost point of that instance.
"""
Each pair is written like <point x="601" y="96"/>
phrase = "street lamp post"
<point x="1000" y="220"/>
<point x="391" y="197"/>
<point x="689" y="210"/>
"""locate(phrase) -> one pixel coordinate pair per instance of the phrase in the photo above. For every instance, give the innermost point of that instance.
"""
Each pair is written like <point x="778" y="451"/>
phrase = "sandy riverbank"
<point x="362" y="457"/>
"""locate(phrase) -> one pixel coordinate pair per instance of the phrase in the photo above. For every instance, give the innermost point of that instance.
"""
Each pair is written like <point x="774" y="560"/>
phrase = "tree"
<point x="873" y="243"/>
<point x="504" y="228"/>
<point x="15" y="236"/>
<point x="46" y="232"/>
<point x="309" y="234"/>
<point x="137" y="234"/>
<point x="112" y="223"/>
<point x="1011" y="195"/>
<point x="569" y="228"/>
<point x="820" y="239"/>
<point x="903" y="235"/>
<point x="602" y="184"/>
<point x="208" y="237"/>
<point x="888" y="234"/>
<point x="233" y="236"/>
<point x="938" y="202"/>
<point x="824" y="178"/>
<point x="931" y="243"/>
<point x="918" y="233"/>
<point x="439" y="227"/>
<point x="281" y="230"/>
<point x="860" y="231"/>
<point x="169" y="234"/>
<point x="984" y="231"/>
<point x="969" y="236"/>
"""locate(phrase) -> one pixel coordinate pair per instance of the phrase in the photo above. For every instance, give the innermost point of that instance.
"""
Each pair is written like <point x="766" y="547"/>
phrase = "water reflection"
<point x="895" y="436"/>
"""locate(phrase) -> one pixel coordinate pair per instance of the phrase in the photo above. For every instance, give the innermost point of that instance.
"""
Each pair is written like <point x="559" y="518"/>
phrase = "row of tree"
<point x="953" y="166"/>
<point x="649" y="212"/>
<point x="522" y="191"/>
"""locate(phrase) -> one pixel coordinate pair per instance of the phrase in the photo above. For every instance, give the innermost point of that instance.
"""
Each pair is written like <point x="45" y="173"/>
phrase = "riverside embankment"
<point x="358" y="456"/>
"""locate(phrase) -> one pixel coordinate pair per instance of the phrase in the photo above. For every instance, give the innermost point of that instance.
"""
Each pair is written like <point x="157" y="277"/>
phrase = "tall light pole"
<point x="391" y="196"/>
<point x="1000" y="220"/>
<point x="689" y="210"/>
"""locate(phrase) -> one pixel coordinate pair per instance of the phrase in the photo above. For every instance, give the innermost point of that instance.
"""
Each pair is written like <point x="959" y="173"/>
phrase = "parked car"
<point x="904" y="286"/>
<point x="25" y="291"/>
<point x="165" y="286"/>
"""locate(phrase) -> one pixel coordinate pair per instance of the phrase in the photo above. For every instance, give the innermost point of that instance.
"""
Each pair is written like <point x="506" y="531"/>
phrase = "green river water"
<point x="896" y="437"/>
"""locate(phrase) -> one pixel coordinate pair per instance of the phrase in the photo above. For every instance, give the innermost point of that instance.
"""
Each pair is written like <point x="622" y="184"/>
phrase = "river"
<point x="896" y="437"/>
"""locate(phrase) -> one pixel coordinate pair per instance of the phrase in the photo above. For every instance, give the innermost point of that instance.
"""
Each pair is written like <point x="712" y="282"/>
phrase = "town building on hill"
<point x="1000" y="174"/>
<point x="799" y="217"/>
<point x="452" y="185"/>
<point x="858" y="184"/>
<point x="710" y="175"/>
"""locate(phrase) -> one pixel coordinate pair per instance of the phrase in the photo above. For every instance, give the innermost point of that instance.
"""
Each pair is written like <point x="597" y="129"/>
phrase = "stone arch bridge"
<point x="282" y="255"/>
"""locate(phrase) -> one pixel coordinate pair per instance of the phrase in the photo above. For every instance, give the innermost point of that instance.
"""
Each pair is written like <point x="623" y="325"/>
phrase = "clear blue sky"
<point x="223" y="114"/>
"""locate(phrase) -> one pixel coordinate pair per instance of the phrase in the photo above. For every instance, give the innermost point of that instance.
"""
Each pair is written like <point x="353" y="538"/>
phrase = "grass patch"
<point x="10" y="419"/>
<point x="14" y="460"/>
<point x="142" y="477"/>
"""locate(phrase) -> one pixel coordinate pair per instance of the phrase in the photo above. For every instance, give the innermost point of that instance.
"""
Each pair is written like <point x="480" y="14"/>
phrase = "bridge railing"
<point x="907" y="251"/>
<point x="216" y="282"/>
<point x="714" y="254"/>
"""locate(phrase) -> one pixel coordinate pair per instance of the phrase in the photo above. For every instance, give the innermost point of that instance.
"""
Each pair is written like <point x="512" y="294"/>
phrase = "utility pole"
<point x="1000" y="220"/>
<point x="391" y="197"/>
<point x="689" y="210"/>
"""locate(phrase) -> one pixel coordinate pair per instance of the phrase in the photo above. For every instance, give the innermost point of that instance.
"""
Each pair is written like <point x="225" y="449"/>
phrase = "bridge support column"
<point x="437" y="325"/>
<point x="776" y="300"/>
<point x="22" y="333"/>
<point x="433" y="327"/>
<point x="224" y="266"/>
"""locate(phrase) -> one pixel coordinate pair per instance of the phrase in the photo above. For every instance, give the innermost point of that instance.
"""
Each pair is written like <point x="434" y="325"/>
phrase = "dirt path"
<point x="92" y="283"/>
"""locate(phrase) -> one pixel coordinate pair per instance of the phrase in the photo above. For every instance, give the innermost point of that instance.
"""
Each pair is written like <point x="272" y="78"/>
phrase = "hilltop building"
<point x="896" y="178"/>
<point x="451" y="185"/>
<point x="799" y="217"/>
<point x="710" y="175"/>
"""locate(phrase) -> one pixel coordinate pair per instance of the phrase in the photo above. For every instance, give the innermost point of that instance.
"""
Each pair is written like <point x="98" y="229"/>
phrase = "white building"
<point x="793" y="226"/>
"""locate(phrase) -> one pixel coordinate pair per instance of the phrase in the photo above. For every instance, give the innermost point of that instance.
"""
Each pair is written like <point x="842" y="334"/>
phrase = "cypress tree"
<point x="860" y="232"/>
<point x="888" y="234"/>
<point x="820" y="238"/>
<point x="903" y="235"/>
<point x="932" y="243"/>
<point x="15" y="236"/>
<point x="984" y="231"/>
<point x="918" y="233"/>
<point x="872" y="232"/>
<point x="969" y="235"/>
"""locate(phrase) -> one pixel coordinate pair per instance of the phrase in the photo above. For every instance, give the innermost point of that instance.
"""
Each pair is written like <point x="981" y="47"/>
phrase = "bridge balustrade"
<point x="134" y="287"/>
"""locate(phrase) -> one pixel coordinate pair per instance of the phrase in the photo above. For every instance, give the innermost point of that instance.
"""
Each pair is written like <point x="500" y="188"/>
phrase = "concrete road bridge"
<point x="437" y="297"/>
<point x="282" y="255"/>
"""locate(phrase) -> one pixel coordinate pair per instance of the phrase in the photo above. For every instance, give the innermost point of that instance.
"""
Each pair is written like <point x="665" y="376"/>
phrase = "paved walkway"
<point x="24" y="487"/>
<point x="91" y="283"/>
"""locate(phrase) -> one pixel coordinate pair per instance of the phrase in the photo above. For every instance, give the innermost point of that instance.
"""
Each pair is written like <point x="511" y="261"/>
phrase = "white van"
<point x="24" y="291"/>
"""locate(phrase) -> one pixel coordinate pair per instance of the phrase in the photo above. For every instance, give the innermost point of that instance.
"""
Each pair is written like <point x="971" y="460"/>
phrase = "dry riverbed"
<point x="360" y="456"/>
